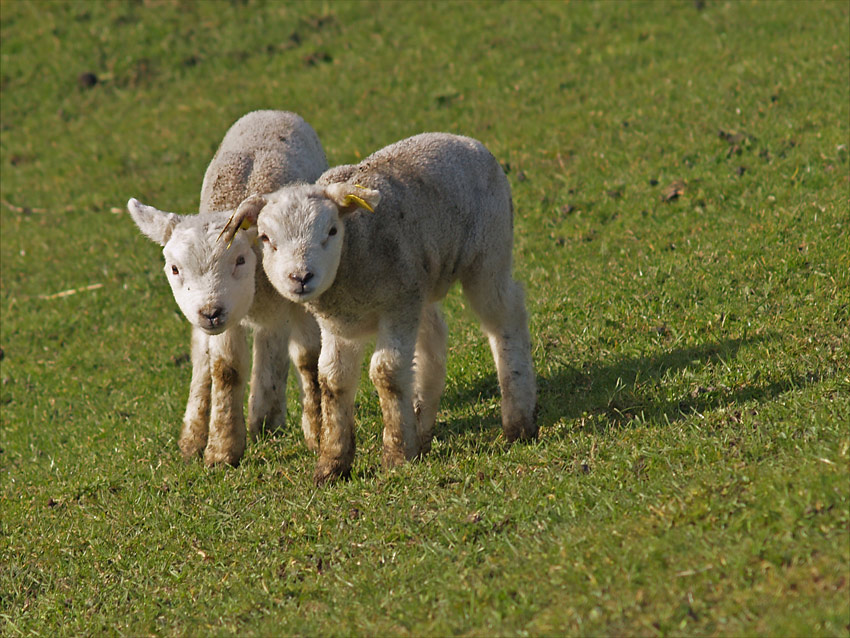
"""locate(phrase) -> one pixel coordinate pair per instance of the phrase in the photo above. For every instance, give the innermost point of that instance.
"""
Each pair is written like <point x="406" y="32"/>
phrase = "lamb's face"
<point x="213" y="284"/>
<point x="301" y="234"/>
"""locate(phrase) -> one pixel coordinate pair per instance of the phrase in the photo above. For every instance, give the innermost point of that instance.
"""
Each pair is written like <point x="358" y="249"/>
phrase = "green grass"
<point x="693" y="469"/>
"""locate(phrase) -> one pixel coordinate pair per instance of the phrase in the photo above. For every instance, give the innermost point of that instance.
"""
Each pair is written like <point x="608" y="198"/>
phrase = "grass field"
<point x="682" y="185"/>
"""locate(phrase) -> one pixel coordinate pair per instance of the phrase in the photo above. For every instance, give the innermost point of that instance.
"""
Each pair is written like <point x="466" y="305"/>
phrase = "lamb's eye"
<point x="264" y="239"/>
<point x="240" y="260"/>
<point x="174" y="270"/>
<point x="332" y="231"/>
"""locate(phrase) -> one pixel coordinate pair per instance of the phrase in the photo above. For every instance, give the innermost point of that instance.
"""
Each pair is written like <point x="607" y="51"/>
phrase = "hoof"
<point x="394" y="458"/>
<point x="222" y="457"/>
<point x="265" y="428"/>
<point x="521" y="437"/>
<point x="192" y="447"/>
<point x="424" y="446"/>
<point x="330" y="471"/>
<point x="520" y="430"/>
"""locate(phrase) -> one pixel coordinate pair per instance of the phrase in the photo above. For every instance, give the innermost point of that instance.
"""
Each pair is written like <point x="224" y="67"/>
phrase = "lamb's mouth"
<point x="301" y="294"/>
<point x="214" y="330"/>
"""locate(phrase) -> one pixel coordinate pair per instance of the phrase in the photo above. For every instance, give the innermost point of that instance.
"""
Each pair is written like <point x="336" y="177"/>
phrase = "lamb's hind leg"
<point x="267" y="401"/>
<point x="499" y="303"/>
<point x="229" y="367"/>
<point x="429" y="366"/>
<point x="193" y="436"/>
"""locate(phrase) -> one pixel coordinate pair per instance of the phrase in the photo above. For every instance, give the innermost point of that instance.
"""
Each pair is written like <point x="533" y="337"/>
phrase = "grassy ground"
<point x="682" y="184"/>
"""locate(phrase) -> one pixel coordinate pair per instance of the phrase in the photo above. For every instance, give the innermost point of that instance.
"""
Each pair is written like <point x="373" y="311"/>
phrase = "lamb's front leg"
<point x="228" y="367"/>
<point x="267" y="401"/>
<point x="304" y="350"/>
<point x="339" y="372"/>
<point x="193" y="436"/>
<point x="391" y="371"/>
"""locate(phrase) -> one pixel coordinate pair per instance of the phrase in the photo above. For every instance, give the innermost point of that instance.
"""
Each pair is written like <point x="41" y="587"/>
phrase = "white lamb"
<point x="442" y="212"/>
<point x="221" y="288"/>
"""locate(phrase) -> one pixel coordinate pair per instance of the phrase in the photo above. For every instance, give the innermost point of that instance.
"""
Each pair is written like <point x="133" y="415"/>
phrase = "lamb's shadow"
<point x="614" y="393"/>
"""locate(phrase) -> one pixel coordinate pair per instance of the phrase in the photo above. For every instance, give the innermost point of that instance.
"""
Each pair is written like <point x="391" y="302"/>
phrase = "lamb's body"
<point x="436" y="219"/>
<point x="262" y="151"/>
<point x="445" y="214"/>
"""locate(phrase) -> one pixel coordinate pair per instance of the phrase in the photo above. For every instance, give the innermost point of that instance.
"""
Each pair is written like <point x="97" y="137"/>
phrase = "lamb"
<point x="222" y="289"/>
<point x="372" y="248"/>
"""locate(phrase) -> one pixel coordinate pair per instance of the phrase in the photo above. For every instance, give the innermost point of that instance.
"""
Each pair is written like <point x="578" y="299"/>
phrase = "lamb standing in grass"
<point x="442" y="213"/>
<point x="221" y="288"/>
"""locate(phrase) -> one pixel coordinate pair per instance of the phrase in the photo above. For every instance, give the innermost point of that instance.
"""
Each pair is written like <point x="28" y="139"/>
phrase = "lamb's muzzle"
<point x="301" y="281"/>
<point x="215" y="318"/>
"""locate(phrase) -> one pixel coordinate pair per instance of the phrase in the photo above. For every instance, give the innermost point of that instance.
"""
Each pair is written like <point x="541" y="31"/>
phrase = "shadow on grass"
<point x="615" y="393"/>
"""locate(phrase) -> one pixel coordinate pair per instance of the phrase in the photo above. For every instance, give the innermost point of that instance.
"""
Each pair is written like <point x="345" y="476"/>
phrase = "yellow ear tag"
<point x="353" y="199"/>
<point x="245" y="224"/>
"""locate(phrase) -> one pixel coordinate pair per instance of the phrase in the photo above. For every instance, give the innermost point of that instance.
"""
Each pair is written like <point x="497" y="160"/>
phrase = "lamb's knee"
<point x="227" y="375"/>
<point x="334" y="387"/>
<point x="389" y="372"/>
<point x="305" y="361"/>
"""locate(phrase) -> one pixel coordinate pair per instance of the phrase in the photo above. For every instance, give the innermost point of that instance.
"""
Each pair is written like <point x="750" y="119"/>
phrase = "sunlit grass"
<point x="682" y="188"/>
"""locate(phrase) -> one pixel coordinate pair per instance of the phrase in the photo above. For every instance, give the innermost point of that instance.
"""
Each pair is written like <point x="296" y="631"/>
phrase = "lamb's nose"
<point x="301" y="279"/>
<point x="213" y="316"/>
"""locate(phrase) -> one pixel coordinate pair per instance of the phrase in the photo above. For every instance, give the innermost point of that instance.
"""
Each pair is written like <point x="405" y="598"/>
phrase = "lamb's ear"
<point x="155" y="224"/>
<point x="349" y="197"/>
<point x="244" y="217"/>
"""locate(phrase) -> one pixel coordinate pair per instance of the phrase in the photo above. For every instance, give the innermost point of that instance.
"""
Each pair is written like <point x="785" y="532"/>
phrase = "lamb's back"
<point x="444" y="201"/>
<point x="261" y="152"/>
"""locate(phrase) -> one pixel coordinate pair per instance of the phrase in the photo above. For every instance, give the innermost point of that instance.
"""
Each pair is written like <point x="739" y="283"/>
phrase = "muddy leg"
<point x="304" y="349"/>
<point x="339" y="372"/>
<point x="229" y="367"/>
<point x="193" y="436"/>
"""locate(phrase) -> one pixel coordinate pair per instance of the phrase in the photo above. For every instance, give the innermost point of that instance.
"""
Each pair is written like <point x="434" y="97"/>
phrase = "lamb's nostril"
<point x="301" y="279"/>
<point x="213" y="316"/>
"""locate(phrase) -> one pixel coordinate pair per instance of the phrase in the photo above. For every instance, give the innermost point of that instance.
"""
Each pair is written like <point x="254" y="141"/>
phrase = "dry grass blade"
<point x="229" y="231"/>
<point x="70" y="291"/>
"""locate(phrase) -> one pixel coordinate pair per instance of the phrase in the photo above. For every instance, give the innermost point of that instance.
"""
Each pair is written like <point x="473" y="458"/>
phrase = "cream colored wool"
<point x="222" y="290"/>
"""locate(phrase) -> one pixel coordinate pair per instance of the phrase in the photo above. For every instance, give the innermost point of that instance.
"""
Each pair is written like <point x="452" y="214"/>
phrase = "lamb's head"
<point x="301" y="229"/>
<point x="212" y="280"/>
